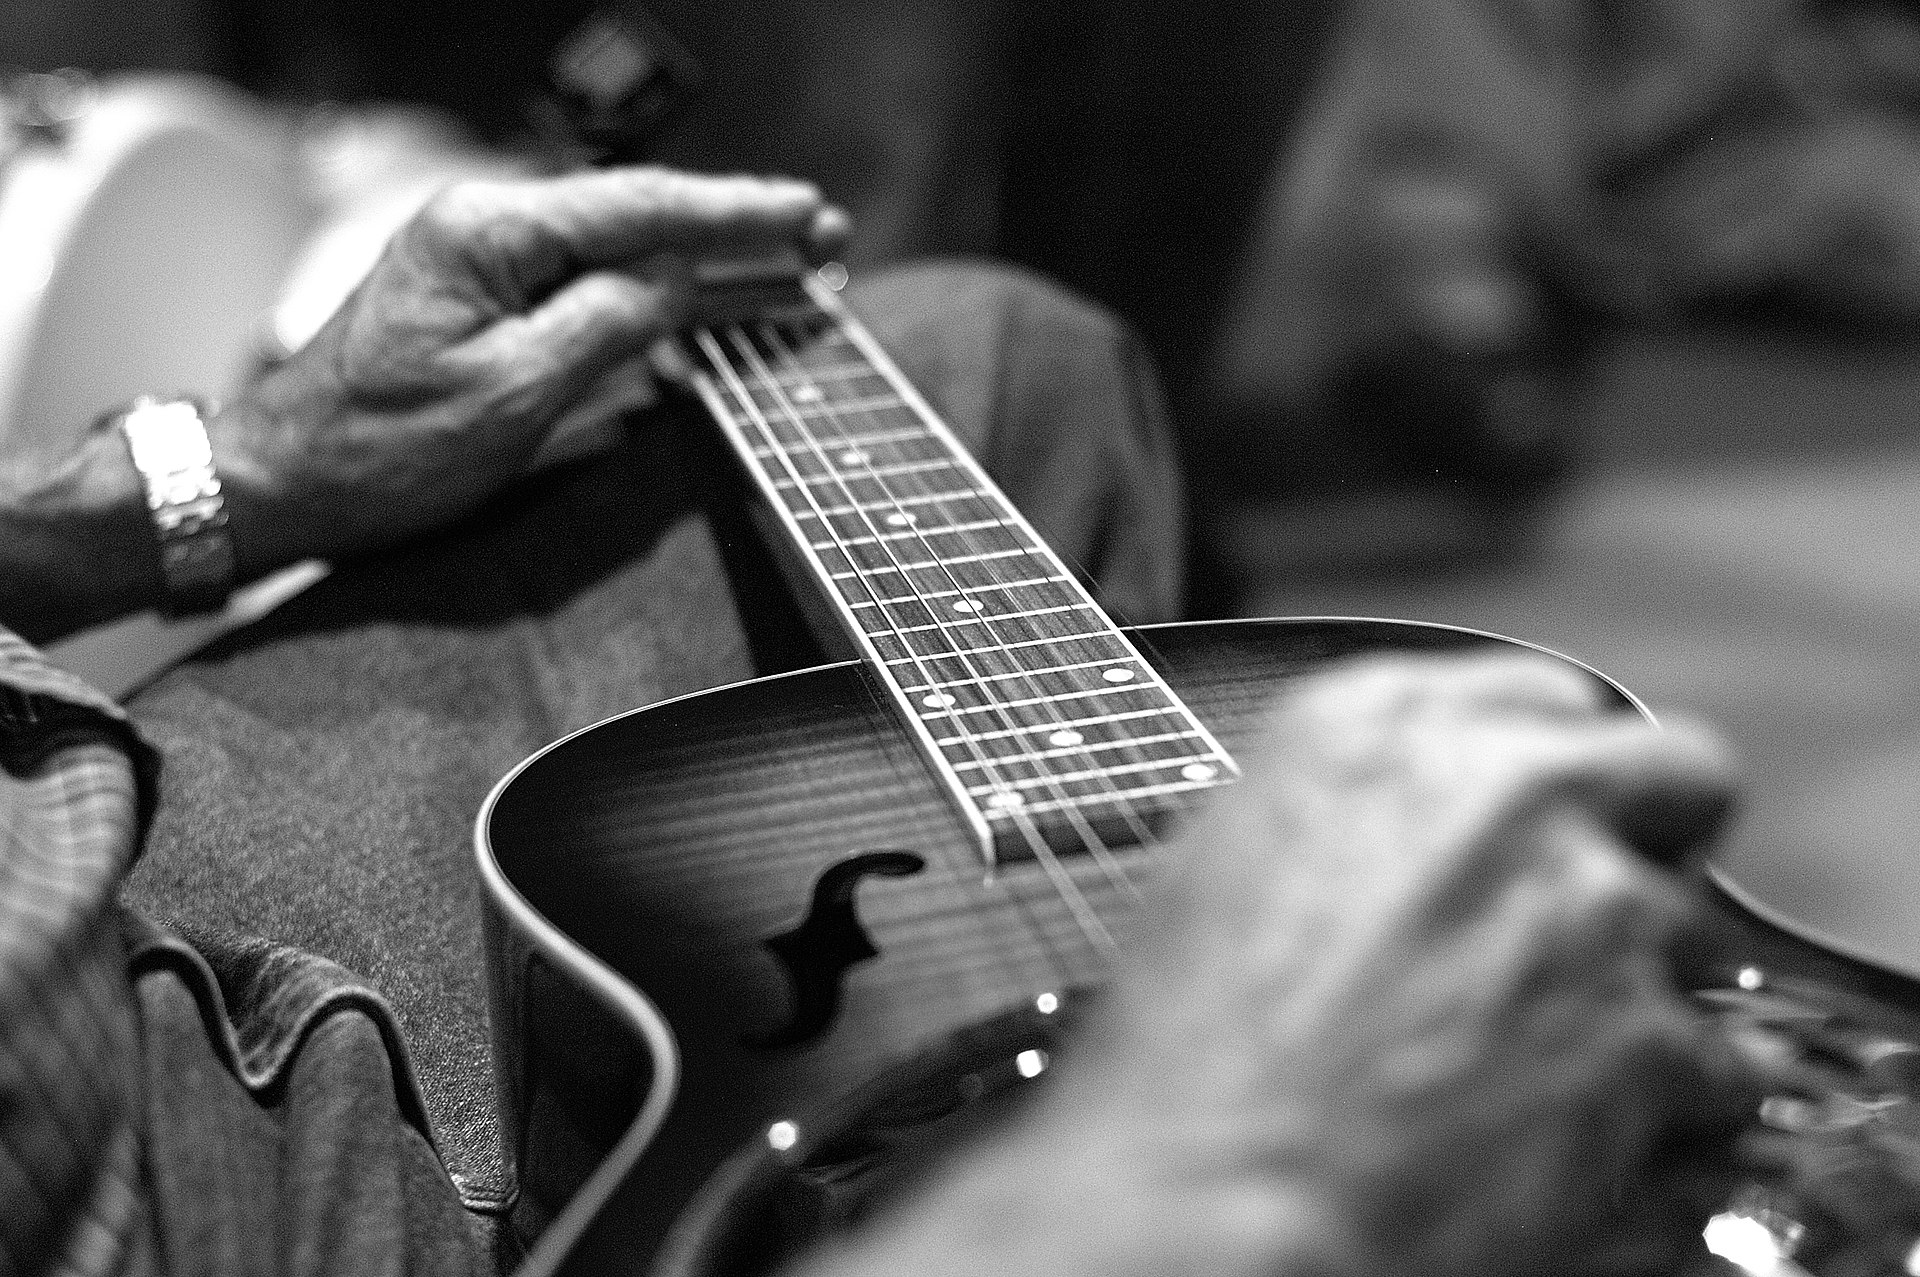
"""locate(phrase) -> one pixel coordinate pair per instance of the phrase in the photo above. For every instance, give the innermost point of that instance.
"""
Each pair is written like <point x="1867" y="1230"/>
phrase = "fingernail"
<point x="798" y="188"/>
<point x="828" y="235"/>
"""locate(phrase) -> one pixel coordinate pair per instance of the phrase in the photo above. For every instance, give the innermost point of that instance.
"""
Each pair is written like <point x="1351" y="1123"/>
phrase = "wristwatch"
<point x="167" y="439"/>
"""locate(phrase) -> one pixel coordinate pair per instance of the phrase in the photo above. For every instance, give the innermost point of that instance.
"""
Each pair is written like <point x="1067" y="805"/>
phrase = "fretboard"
<point x="1048" y="728"/>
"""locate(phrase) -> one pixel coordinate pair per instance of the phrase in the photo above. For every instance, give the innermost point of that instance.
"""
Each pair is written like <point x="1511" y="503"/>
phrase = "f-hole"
<point x="816" y="954"/>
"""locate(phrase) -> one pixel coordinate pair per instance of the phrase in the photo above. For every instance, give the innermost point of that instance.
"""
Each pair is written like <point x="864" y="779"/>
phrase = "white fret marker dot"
<point x="1006" y="800"/>
<point x="1199" y="771"/>
<point x="1065" y="736"/>
<point x="966" y="605"/>
<point x="1031" y="1063"/>
<point x="807" y="394"/>
<point x="1047" y="1003"/>
<point x="1117" y="675"/>
<point x="783" y="1135"/>
<point x="900" y="519"/>
<point x="939" y="700"/>
<point x="853" y="457"/>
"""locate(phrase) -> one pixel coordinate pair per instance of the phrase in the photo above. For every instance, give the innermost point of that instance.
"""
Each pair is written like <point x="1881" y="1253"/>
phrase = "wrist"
<point x="76" y="540"/>
<point x="167" y="439"/>
<point x="259" y="515"/>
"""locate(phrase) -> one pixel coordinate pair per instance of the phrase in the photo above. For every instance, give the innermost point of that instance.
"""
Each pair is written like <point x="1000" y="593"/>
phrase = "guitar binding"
<point x="1049" y="731"/>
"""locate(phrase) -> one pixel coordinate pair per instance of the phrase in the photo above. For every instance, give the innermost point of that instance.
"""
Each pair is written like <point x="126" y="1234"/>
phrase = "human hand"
<point x="1407" y="1003"/>
<point x="490" y="315"/>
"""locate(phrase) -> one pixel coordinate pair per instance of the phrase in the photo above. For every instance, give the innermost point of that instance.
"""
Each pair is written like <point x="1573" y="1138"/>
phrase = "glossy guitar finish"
<point x="671" y="849"/>
<point x="833" y="920"/>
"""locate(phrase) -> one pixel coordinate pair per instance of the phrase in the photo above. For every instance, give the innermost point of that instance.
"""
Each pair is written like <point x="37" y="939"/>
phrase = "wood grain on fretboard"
<point x="1048" y="729"/>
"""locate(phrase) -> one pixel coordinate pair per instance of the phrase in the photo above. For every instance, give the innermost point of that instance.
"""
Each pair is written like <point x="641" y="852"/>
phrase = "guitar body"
<point x="776" y="870"/>
<point x="760" y="956"/>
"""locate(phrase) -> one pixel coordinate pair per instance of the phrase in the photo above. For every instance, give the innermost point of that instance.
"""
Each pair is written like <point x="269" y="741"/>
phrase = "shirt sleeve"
<point x="75" y="787"/>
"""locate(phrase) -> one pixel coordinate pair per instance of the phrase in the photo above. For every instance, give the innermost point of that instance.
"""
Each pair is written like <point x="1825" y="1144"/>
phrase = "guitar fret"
<point x="1116" y="661"/>
<point x="1008" y="647"/>
<point x="1020" y="607"/>
<point x="763" y="451"/>
<point x="904" y="470"/>
<point x="988" y="618"/>
<point x="933" y="564"/>
<point x="1068" y="751"/>
<point x="1116" y="796"/>
<point x="785" y="411"/>
<point x="819" y="512"/>
<point x="779" y="392"/>
<point x="812" y="372"/>
<point x="1093" y="774"/>
<point x="965" y="589"/>
<point x="1045" y="780"/>
<point x="869" y="474"/>
<point x="953" y="530"/>
<point x="936" y="659"/>
<point x="1094" y="721"/>
<point x="997" y="706"/>
<point x="918" y="634"/>
<point x="863" y="529"/>
<point x="872" y="556"/>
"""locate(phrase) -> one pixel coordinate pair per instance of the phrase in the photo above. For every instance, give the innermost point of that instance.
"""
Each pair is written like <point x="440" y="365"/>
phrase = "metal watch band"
<point x="167" y="439"/>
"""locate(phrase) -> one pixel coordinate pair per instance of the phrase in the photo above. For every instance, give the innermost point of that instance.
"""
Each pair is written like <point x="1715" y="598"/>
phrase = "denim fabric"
<point x="303" y="1151"/>
<point x="323" y="769"/>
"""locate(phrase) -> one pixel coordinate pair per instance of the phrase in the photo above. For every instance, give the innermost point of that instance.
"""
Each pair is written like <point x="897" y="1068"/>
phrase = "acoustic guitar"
<point x="761" y="954"/>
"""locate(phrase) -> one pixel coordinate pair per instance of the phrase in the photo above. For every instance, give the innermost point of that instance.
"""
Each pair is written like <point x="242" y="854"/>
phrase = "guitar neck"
<point x="1048" y="729"/>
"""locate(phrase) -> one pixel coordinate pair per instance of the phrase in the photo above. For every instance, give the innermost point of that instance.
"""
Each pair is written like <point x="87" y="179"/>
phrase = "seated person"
<point x="1435" y="927"/>
<point x="1476" y="196"/>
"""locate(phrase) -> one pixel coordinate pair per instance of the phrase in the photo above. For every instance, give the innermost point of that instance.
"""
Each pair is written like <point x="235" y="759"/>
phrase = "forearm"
<point x="77" y="545"/>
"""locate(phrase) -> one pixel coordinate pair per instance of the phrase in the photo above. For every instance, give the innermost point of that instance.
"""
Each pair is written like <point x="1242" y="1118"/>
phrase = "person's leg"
<point x="323" y="768"/>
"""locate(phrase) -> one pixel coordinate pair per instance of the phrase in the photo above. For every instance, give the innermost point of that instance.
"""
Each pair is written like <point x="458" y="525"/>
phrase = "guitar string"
<point x="1089" y="922"/>
<point x="876" y="360"/>
<point x="1102" y="775"/>
<point x="1095" y="845"/>
<point x="1057" y="575"/>
<point x="873" y="360"/>
<point x="1089" y="837"/>
<point x="1133" y="751"/>
<point x="1092" y="925"/>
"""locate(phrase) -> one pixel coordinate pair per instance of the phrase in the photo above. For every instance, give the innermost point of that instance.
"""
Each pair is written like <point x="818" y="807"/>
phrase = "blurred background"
<point x="1586" y="321"/>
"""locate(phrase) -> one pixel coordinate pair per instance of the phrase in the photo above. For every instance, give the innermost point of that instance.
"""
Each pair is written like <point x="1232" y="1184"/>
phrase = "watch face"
<point x="166" y="436"/>
<point x="169" y="446"/>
